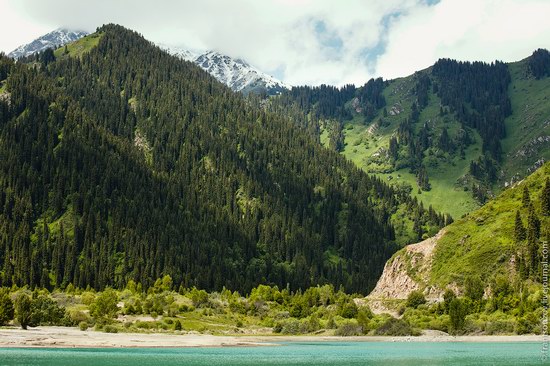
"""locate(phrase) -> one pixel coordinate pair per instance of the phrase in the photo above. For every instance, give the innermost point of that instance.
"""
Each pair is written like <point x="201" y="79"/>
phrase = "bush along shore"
<point x="269" y="310"/>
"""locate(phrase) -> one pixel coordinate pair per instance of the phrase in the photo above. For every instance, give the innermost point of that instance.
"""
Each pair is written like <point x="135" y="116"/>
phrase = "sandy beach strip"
<point x="64" y="337"/>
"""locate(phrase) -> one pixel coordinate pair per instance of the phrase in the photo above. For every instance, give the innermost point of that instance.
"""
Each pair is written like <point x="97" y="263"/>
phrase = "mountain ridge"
<point x="235" y="73"/>
<point x="56" y="38"/>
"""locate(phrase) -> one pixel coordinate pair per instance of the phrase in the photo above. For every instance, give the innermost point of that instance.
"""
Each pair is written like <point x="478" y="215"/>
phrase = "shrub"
<point x="128" y="309"/>
<point x="6" y="307"/>
<point x="177" y="325"/>
<point x="199" y="297"/>
<point x="349" y="309"/>
<point x="237" y="306"/>
<point x="87" y="298"/>
<point x="440" y="323"/>
<point x="75" y="317"/>
<point x="278" y="328"/>
<point x="105" y="305"/>
<point x="415" y="299"/>
<point x="331" y="324"/>
<point x="23" y="309"/>
<point x="363" y="318"/>
<point x="448" y="296"/>
<point x="83" y="326"/>
<point x="142" y="325"/>
<point x="46" y="311"/>
<point x="395" y="327"/>
<point x="474" y="288"/>
<point x="292" y="326"/>
<point x="527" y="324"/>
<point x="110" y="329"/>
<point x="457" y="313"/>
<point x="349" y="329"/>
<point x="313" y="323"/>
<point x="500" y="327"/>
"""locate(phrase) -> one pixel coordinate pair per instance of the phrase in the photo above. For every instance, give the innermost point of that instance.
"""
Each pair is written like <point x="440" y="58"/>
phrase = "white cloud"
<point x="506" y="30"/>
<point x="283" y="35"/>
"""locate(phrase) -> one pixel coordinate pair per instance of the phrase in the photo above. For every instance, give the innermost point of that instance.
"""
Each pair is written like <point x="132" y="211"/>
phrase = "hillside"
<point x="484" y="244"/>
<point x="454" y="135"/>
<point x="123" y="162"/>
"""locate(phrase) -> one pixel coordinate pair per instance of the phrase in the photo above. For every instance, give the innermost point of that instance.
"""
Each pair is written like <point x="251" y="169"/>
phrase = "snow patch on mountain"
<point x="54" y="39"/>
<point x="235" y="73"/>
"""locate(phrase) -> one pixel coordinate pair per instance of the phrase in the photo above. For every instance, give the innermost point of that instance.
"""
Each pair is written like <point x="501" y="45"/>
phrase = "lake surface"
<point x="296" y="353"/>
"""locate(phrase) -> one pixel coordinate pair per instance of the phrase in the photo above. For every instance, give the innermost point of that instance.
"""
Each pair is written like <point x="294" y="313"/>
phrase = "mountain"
<point x="235" y="73"/>
<point x="54" y="39"/>
<point x="454" y="134"/>
<point x="504" y="238"/>
<point x="123" y="162"/>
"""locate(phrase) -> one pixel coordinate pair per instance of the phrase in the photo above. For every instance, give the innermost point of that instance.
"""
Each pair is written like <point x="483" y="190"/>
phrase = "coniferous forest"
<point x="125" y="163"/>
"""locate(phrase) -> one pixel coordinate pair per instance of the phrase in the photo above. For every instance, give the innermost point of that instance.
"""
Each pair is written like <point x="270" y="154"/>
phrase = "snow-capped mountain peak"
<point x="54" y="39"/>
<point x="235" y="73"/>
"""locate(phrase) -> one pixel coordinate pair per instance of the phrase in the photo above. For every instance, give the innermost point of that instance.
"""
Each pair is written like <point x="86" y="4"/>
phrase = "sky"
<point x="307" y="41"/>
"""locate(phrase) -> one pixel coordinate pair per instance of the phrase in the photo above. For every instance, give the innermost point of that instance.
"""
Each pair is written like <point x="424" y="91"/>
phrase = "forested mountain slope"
<point x="122" y="162"/>
<point x="454" y="134"/>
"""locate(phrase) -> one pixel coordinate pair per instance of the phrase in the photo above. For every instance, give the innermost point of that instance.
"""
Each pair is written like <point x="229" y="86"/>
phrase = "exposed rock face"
<point x="408" y="271"/>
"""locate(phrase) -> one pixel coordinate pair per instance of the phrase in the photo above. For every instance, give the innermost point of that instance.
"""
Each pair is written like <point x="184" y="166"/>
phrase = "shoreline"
<point x="67" y="337"/>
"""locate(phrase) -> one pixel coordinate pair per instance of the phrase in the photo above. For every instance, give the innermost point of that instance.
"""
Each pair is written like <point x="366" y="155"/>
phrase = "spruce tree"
<point x="519" y="231"/>
<point x="526" y="199"/>
<point x="533" y="234"/>
<point x="533" y="224"/>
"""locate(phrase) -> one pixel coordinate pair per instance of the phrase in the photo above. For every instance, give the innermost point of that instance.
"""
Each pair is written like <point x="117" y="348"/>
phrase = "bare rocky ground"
<point x="408" y="271"/>
<point x="62" y="337"/>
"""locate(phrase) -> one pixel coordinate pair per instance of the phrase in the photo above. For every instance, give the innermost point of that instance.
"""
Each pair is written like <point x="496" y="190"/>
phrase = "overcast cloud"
<point x="307" y="41"/>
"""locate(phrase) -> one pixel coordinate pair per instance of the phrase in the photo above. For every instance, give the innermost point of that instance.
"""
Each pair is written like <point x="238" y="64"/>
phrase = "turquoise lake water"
<point x="315" y="353"/>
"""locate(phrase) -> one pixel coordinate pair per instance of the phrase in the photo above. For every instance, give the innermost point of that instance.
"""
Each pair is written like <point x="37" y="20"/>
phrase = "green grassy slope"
<point x="525" y="147"/>
<point x="80" y="46"/>
<point x="482" y="243"/>
<point x="528" y="128"/>
<point x="366" y="145"/>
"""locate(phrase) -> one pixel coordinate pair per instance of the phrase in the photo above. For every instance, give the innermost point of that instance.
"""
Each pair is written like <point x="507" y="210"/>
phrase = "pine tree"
<point x="519" y="231"/>
<point x="533" y="224"/>
<point x="393" y="148"/>
<point x="526" y="199"/>
<point x="444" y="140"/>
<point x="533" y="234"/>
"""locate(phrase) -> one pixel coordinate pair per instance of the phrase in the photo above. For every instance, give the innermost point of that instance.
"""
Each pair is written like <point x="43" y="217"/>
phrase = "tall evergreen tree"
<point x="519" y="231"/>
<point x="526" y="199"/>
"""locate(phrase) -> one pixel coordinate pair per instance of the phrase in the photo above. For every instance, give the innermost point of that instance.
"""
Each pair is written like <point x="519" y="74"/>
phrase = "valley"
<point x="141" y="192"/>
